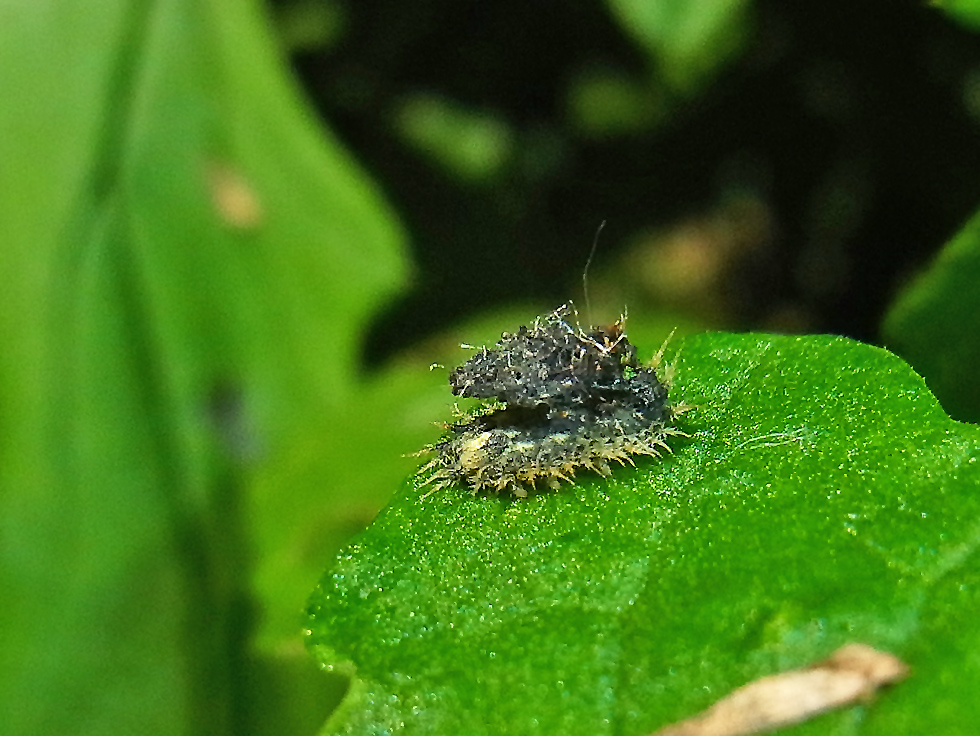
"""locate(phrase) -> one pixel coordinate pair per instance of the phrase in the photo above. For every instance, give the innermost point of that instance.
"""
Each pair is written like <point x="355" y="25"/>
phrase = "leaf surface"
<point x="821" y="497"/>
<point x="933" y="324"/>
<point x="187" y="266"/>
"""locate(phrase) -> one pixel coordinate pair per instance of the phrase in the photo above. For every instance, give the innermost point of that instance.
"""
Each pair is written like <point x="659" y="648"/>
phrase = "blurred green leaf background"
<point x="234" y="236"/>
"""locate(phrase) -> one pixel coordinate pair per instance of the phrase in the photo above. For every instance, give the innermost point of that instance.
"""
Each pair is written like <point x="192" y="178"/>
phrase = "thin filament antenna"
<point x="585" y="273"/>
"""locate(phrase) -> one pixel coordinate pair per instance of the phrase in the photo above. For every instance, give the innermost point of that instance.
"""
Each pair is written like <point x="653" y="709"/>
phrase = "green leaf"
<point x="929" y="325"/>
<point x="469" y="145"/>
<point x="188" y="264"/>
<point x="966" y="12"/>
<point x="605" y="103"/>
<point x="821" y="497"/>
<point x="689" y="39"/>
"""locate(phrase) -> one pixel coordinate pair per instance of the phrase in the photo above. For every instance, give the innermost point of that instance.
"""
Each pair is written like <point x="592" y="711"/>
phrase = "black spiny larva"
<point x="561" y="399"/>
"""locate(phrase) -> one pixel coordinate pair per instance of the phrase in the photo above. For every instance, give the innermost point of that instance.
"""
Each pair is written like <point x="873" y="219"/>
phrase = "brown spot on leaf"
<point x="850" y="675"/>
<point x="233" y="196"/>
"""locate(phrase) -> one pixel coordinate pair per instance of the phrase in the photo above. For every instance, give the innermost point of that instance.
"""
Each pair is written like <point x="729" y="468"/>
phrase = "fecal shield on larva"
<point x="560" y="399"/>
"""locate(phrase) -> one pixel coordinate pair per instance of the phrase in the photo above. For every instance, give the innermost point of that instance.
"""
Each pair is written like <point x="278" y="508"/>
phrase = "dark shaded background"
<point x="851" y="128"/>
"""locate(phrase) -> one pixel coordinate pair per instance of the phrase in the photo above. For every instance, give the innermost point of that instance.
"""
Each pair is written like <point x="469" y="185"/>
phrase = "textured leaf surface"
<point x="187" y="265"/>
<point x="822" y="497"/>
<point x="934" y="323"/>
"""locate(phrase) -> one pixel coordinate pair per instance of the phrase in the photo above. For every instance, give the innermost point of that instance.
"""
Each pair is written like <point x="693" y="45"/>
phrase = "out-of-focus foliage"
<point x="966" y="12"/>
<point x="188" y="266"/>
<point x="605" y="103"/>
<point x="797" y="108"/>
<point x="311" y="24"/>
<point x="935" y="324"/>
<point x="689" y="40"/>
<point x="472" y="147"/>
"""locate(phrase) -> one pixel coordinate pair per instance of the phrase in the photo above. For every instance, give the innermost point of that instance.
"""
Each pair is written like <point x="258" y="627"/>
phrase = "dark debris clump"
<point x="563" y="399"/>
